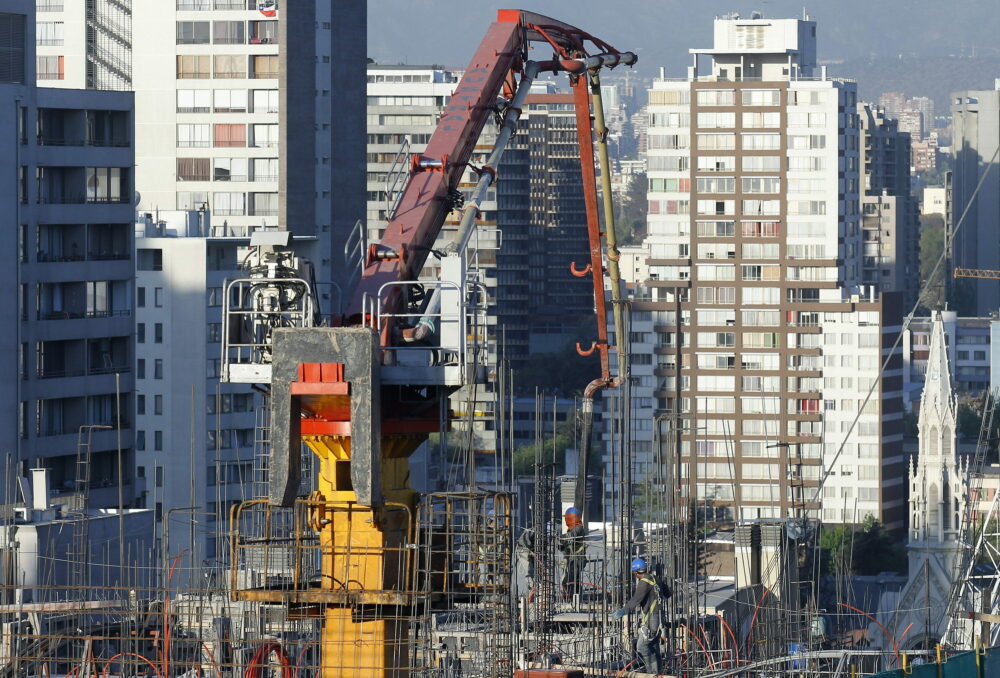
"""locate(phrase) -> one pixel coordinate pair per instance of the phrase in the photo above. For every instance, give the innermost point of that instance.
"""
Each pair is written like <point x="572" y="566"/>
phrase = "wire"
<point x="949" y="239"/>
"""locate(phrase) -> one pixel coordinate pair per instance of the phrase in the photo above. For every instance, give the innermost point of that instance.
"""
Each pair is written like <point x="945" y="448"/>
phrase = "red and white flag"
<point x="268" y="8"/>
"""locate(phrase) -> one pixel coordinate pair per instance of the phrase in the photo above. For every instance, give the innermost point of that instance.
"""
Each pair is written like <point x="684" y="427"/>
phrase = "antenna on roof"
<point x="756" y="14"/>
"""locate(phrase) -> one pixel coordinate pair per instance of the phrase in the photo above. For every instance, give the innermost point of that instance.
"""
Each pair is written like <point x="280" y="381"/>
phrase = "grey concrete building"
<point x="542" y="215"/>
<point x="890" y="223"/>
<point x="67" y="353"/>
<point x="976" y="120"/>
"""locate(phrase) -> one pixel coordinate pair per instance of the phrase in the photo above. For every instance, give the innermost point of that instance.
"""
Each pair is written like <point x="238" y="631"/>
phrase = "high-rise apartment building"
<point x="542" y="215"/>
<point x="85" y="44"/>
<point x="403" y="104"/>
<point x="68" y="346"/>
<point x="976" y="122"/>
<point x="194" y="435"/>
<point x="890" y="223"/>
<point x="235" y="106"/>
<point x="754" y="241"/>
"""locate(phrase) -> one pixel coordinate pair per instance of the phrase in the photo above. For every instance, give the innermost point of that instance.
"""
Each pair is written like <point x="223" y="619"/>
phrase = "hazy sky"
<point x="661" y="31"/>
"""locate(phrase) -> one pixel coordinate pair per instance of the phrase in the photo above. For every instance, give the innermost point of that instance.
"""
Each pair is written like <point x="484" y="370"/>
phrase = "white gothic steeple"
<point x="937" y="480"/>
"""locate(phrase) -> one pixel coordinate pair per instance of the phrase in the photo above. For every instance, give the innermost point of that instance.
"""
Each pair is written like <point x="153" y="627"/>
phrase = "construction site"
<point x="334" y="566"/>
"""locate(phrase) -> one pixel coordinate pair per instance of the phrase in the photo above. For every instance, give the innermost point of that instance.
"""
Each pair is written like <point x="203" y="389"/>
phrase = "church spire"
<point x="937" y="400"/>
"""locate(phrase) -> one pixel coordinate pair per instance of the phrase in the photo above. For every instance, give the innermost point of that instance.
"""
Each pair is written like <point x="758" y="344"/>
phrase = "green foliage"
<point x="553" y="450"/>
<point x="931" y="246"/>
<point x="630" y="217"/>
<point x="866" y="549"/>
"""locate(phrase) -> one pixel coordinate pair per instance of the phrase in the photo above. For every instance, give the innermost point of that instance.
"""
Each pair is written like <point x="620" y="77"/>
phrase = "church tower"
<point x="937" y="480"/>
<point x="938" y="487"/>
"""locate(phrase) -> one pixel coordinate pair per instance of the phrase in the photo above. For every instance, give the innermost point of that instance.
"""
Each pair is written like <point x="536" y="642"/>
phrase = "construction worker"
<point x="573" y="545"/>
<point x="647" y="600"/>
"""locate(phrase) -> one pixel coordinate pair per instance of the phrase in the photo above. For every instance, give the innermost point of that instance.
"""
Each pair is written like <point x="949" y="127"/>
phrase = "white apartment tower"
<point x="754" y="236"/>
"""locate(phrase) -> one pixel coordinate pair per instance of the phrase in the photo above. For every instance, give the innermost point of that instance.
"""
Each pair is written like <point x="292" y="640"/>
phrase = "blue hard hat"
<point x="638" y="564"/>
<point x="572" y="511"/>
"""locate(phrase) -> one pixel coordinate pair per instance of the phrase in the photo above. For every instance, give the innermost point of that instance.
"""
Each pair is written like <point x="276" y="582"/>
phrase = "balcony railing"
<point x="49" y="42"/>
<point x="230" y="177"/>
<point x="77" y="315"/>
<point x="264" y="75"/>
<point x="230" y="75"/>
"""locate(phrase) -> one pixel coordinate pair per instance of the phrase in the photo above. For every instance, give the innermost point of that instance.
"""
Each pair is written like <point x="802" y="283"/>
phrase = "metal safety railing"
<point x="325" y="552"/>
<point x="254" y="307"/>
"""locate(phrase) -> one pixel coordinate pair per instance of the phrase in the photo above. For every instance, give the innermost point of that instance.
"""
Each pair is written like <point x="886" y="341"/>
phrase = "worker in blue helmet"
<point x="573" y="545"/>
<point x="647" y="600"/>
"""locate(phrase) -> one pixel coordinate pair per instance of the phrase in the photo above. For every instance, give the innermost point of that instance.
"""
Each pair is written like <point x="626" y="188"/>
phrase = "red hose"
<point x="262" y="654"/>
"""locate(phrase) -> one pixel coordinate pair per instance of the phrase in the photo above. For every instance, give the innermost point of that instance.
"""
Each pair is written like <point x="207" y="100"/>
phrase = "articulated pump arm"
<point x="499" y="66"/>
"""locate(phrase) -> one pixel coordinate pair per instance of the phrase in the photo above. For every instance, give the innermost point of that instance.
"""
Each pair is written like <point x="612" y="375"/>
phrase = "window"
<point x="716" y="141"/>
<point x="140" y="441"/>
<point x="230" y="66"/>
<point x="715" y="97"/>
<point x="768" y="120"/>
<point x="194" y="100"/>
<point x="716" y="163"/>
<point x="228" y="32"/>
<point x="768" y="207"/>
<point x="49" y="68"/>
<point x="158" y="441"/>
<point x="229" y="204"/>
<point x="265" y="101"/>
<point x="761" y="185"/>
<point x="807" y="207"/>
<point x="230" y="135"/>
<point x="193" y="169"/>
<point x="107" y="184"/>
<point x="194" y="67"/>
<point x="716" y="184"/>
<point x="264" y="66"/>
<point x="716" y="229"/>
<point x="761" y="163"/>
<point x="140" y="404"/>
<point x="711" y="119"/>
<point x="265" y="169"/>
<point x="673" y="97"/>
<point x="761" y="295"/>
<point x="191" y="200"/>
<point x="761" y="142"/>
<point x="158" y="368"/>
<point x="264" y="204"/>
<point x="229" y="169"/>
<point x="158" y="336"/>
<point x="140" y="368"/>
<point x="192" y="32"/>
<point x="761" y="97"/>
<point x="157" y="404"/>
<point x="264" y="136"/>
<point x="140" y="297"/>
<point x="140" y="333"/>
<point x="670" y="185"/>
<point x="263" y="32"/>
<point x="49" y="33"/>
<point x="193" y="136"/>
<point x="806" y="142"/>
<point x="158" y="297"/>
<point x="668" y="141"/>
<point x="716" y="206"/>
<point x="149" y="259"/>
<point x="12" y="49"/>
<point x="230" y="100"/>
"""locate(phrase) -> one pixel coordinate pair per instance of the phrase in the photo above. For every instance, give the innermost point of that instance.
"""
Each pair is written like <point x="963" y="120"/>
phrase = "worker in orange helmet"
<point x="573" y="545"/>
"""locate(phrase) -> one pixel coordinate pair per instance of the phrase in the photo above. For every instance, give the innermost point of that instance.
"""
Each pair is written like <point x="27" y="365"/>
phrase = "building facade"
<point x="890" y="223"/>
<point x="542" y="215"/>
<point x="755" y="241"/>
<point x="976" y="121"/>
<point x="248" y="132"/>
<point x="195" y="436"/>
<point x="68" y="349"/>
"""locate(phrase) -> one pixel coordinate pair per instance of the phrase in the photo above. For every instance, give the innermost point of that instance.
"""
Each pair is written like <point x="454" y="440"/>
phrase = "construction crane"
<point x="983" y="273"/>
<point x="363" y="395"/>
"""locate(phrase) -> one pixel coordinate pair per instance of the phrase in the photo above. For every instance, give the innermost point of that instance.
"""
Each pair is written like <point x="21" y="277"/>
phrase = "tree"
<point x="553" y="450"/>
<point x="931" y="247"/>
<point x="630" y="219"/>
<point x="867" y="549"/>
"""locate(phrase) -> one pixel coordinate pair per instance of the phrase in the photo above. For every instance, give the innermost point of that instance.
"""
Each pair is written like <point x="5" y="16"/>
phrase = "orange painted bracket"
<point x="320" y="388"/>
<point x="321" y="372"/>
<point x="588" y="351"/>
<point x="318" y="427"/>
<point x="577" y="272"/>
